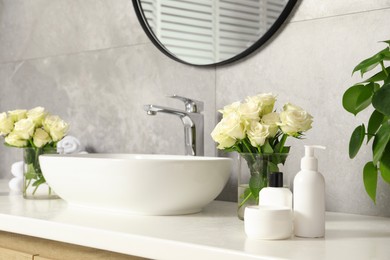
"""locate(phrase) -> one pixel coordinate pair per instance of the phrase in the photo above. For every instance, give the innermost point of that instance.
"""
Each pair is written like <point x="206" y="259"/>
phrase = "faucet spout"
<point x="153" y="110"/>
<point x="193" y="127"/>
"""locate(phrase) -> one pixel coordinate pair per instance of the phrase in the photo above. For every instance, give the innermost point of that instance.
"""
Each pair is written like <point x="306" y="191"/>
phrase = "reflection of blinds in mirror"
<point x="207" y="31"/>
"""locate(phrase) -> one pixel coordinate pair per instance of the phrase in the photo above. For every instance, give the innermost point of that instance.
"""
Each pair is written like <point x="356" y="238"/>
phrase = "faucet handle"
<point x="192" y="106"/>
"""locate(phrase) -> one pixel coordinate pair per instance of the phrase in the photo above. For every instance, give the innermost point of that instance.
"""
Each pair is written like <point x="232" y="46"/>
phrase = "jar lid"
<point x="275" y="179"/>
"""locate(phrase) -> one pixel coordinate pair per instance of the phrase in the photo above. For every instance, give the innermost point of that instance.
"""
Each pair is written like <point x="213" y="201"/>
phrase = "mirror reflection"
<point x="209" y="31"/>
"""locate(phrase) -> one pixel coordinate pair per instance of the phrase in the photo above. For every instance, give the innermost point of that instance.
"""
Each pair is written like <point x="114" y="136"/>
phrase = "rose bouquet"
<point x="37" y="132"/>
<point x="258" y="133"/>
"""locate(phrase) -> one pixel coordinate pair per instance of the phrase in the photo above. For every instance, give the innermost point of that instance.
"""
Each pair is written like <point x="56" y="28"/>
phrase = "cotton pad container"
<point x="268" y="222"/>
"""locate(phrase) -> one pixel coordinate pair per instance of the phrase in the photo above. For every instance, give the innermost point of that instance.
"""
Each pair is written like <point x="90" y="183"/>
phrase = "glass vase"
<point x="34" y="183"/>
<point x="253" y="171"/>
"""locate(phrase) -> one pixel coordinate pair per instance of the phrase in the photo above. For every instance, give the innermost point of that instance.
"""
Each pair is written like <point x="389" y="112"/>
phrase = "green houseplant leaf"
<point x="375" y="121"/>
<point x="381" y="98"/>
<point x="370" y="179"/>
<point x="381" y="139"/>
<point x="356" y="140"/>
<point x="380" y="76"/>
<point x="384" y="165"/>
<point x="372" y="62"/>
<point x="386" y="81"/>
<point x="358" y="97"/>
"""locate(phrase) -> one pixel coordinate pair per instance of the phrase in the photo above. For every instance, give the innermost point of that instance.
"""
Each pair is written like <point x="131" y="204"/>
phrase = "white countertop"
<point x="215" y="233"/>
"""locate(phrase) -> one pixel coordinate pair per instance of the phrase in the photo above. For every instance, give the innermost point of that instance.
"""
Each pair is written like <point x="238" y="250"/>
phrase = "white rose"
<point x="6" y="124"/>
<point x="36" y="115"/>
<point x="14" y="140"/>
<point x="24" y="128"/>
<point x="219" y="136"/>
<point x="55" y="126"/>
<point x="41" y="137"/>
<point x="249" y="110"/>
<point x="17" y="114"/>
<point x="294" y="120"/>
<point x="233" y="126"/>
<point x="257" y="133"/>
<point x="266" y="102"/>
<point x="232" y="108"/>
<point x="272" y="120"/>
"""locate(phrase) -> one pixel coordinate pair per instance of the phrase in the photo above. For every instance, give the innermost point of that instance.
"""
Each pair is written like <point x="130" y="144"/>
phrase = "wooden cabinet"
<point x="8" y="254"/>
<point x="20" y="247"/>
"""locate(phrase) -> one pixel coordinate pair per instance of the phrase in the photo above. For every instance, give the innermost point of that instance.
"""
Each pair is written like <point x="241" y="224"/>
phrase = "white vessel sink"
<point x="135" y="183"/>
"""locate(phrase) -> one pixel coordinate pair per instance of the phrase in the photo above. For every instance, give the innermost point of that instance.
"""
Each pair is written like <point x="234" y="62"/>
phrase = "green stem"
<point x="383" y="68"/>
<point x="36" y="160"/>
<point x="238" y="148"/>
<point x="249" y="149"/>
<point x="245" y="200"/>
<point x="246" y="145"/>
<point x="35" y="190"/>
<point x="282" y="142"/>
<point x="26" y="185"/>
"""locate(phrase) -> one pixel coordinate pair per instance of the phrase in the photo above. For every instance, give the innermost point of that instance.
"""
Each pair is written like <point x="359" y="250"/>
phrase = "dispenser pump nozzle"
<point x="309" y="162"/>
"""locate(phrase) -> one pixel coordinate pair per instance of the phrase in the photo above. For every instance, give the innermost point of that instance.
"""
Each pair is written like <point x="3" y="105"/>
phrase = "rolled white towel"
<point x="16" y="184"/>
<point x="69" y="144"/>
<point x="17" y="169"/>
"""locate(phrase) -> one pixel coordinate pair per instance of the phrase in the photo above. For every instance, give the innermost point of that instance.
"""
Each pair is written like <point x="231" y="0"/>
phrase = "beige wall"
<point x="90" y="62"/>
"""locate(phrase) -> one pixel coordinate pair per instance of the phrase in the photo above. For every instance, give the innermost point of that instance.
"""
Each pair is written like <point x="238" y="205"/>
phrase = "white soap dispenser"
<point x="309" y="197"/>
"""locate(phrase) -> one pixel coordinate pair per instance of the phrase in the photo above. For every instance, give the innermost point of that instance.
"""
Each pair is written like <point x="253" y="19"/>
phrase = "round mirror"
<point x="210" y="32"/>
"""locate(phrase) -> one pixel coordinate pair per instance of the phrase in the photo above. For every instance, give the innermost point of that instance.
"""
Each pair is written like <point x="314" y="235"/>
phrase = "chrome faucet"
<point x="192" y="120"/>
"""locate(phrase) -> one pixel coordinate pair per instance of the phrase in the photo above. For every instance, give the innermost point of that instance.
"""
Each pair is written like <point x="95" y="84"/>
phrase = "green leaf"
<point x="267" y="148"/>
<point x="388" y="42"/>
<point x="255" y="185"/>
<point x="380" y="76"/>
<point x="30" y="175"/>
<point x="381" y="99"/>
<point x="381" y="139"/>
<point x="370" y="63"/>
<point x="387" y="80"/>
<point x="356" y="140"/>
<point x="286" y="149"/>
<point x="30" y="172"/>
<point x="272" y="167"/>
<point x="384" y="165"/>
<point x="370" y="179"/>
<point x="375" y="121"/>
<point x="386" y="55"/>
<point x="358" y="97"/>
<point x="29" y="156"/>
<point x="39" y="182"/>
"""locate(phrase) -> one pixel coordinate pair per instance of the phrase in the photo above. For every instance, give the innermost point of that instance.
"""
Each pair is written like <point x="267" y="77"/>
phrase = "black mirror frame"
<point x="278" y="23"/>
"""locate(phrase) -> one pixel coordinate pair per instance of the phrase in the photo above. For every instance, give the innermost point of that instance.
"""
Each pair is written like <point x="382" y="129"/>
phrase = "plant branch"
<point x="246" y="145"/>
<point x="383" y="68"/>
<point x="282" y="142"/>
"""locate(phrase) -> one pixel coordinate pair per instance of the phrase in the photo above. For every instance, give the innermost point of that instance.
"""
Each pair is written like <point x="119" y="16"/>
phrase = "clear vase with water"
<point x="34" y="183"/>
<point x="253" y="170"/>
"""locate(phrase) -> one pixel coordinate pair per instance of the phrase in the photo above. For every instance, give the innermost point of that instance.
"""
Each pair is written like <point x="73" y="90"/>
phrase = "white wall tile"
<point x="102" y="94"/>
<point x="33" y="29"/>
<point x="313" y="9"/>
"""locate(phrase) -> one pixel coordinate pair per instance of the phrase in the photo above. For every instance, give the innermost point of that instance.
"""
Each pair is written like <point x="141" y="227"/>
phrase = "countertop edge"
<point x="124" y="243"/>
